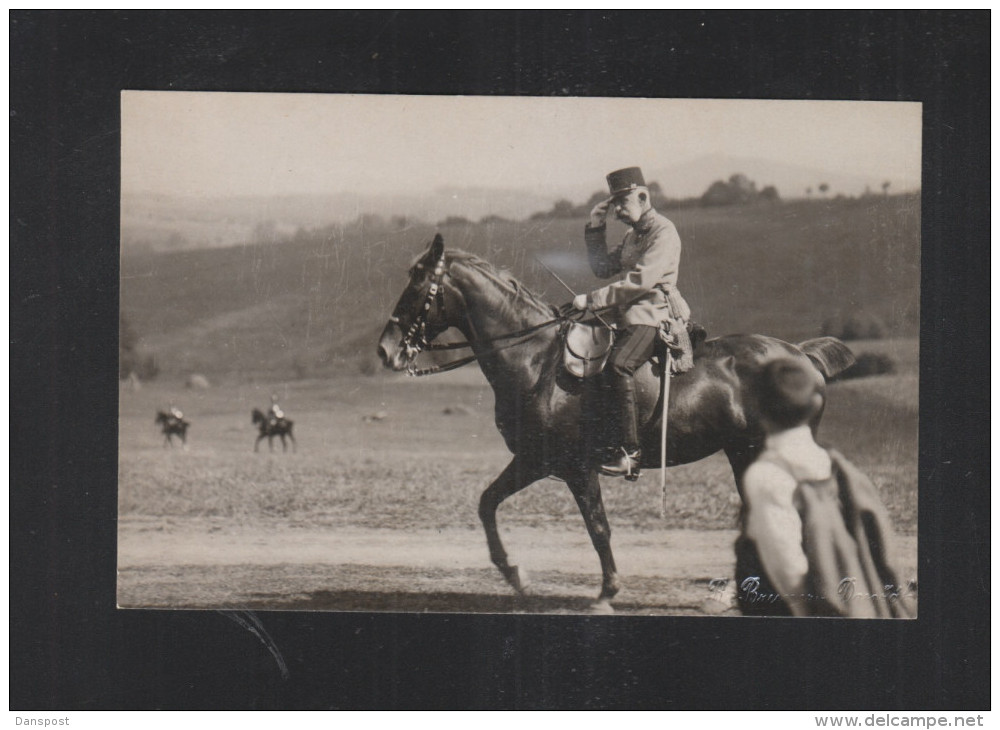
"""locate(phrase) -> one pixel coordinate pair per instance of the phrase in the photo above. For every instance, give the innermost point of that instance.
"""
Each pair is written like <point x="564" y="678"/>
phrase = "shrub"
<point x="738" y="190"/>
<point x="141" y="364"/>
<point x="493" y="219"/>
<point x="454" y="220"/>
<point x="132" y="359"/>
<point x="869" y="363"/>
<point x="858" y="326"/>
<point x="197" y="381"/>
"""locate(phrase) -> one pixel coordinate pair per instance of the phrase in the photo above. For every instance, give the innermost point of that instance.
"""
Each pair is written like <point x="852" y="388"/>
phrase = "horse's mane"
<point x="504" y="279"/>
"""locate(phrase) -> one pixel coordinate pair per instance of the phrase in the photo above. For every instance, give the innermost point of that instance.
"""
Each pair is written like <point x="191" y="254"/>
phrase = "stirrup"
<point x="626" y="466"/>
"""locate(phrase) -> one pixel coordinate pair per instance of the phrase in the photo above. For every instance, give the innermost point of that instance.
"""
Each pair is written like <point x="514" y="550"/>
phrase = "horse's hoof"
<point x="518" y="578"/>
<point x="601" y="607"/>
<point x="609" y="590"/>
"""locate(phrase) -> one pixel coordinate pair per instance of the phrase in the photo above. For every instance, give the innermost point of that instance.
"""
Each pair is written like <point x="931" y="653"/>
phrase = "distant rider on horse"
<point x="642" y="302"/>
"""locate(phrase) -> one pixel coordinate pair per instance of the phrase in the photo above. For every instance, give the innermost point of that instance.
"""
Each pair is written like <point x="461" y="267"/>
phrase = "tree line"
<point x="737" y="190"/>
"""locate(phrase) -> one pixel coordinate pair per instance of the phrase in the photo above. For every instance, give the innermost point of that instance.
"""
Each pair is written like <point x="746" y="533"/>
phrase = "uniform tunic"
<point x="650" y="253"/>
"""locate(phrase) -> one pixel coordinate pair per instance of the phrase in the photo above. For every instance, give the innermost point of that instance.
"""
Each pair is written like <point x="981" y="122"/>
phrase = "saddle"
<point x="587" y="347"/>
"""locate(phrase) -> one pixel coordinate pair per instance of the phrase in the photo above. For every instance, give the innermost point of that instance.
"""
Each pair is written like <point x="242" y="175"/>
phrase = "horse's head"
<point x="422" y="313"/>
<point x="161" y="417"/>
<point x="256" y="416"/>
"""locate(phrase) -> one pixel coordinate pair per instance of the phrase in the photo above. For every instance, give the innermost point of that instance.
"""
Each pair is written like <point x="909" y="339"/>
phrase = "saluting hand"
<point x="599" y="213"/>
<point x="580" y="301"/>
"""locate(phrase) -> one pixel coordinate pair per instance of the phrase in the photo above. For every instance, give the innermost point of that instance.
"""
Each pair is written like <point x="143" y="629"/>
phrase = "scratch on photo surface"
<point x="251" y="623"/>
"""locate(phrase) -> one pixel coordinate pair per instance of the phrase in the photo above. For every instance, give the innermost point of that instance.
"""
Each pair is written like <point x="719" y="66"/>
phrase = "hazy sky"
<point x="193" y="143"/>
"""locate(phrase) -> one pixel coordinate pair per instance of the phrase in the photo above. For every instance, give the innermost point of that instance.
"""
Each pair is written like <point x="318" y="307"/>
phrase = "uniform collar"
<point x="646" y="221"/>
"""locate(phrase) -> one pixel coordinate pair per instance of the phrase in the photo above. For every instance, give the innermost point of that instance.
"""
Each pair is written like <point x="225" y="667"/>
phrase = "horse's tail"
<point x="828" y="354"/>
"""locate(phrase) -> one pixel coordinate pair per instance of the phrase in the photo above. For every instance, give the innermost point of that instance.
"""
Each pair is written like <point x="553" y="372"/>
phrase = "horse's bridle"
<point x="415" y="340"/>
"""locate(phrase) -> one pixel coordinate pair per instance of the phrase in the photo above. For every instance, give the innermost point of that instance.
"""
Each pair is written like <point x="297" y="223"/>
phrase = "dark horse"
<point x="270" y="428"/>
<point x="172" y="426"/>
<point x="712" y="407"/>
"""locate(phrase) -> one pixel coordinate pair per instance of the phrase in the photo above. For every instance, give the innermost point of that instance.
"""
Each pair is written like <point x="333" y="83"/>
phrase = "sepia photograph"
<point x="500" y="360"/>
<point x="519" y="355"/>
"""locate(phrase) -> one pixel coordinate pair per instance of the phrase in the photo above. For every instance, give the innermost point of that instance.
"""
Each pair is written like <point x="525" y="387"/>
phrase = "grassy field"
<point x="426" y="461"/>
<point x="381" y="457"/>
<point x="312" y="307"/>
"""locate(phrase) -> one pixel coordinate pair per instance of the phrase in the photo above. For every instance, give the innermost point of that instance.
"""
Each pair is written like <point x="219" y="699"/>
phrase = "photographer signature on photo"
<point x="724" y="591"/>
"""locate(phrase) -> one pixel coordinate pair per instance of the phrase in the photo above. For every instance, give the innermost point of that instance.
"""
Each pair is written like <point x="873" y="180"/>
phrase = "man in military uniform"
<point x="643" y="300"/>
<point x="275" y="414"/>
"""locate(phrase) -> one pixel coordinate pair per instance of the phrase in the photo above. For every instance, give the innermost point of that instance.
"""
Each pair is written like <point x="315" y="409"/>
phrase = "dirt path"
<point x="205" y="564"/>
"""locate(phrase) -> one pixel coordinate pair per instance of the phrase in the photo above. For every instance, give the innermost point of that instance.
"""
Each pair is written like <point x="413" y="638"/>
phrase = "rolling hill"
<point x="170" y="223"/>
<point x="313" y="305"/>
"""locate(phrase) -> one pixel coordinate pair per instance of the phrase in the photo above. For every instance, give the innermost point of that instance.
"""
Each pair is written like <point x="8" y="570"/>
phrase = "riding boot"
<point x="627" y="463"/>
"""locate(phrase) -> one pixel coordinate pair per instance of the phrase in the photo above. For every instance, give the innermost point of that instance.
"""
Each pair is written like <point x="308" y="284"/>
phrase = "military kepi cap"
<point x="625" y="180"/>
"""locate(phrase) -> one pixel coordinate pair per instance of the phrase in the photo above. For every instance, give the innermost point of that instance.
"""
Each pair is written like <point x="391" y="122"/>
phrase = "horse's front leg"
<point x="515" y="477"/>
<point x="256" y="444"/>
<point x="586" y="490"/>
<point x="284" y="444"/>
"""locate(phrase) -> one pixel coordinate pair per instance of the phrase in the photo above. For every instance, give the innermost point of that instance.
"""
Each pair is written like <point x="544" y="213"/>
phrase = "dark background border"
<point x="71" y="649"/>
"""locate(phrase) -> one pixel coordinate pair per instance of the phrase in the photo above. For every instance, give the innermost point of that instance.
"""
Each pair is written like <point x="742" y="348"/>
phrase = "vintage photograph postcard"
<point x="519" y="355"/>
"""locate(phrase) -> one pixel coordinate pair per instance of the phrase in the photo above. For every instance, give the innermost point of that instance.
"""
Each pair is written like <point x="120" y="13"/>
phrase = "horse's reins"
<point x="415" y="339"/>
<point x="664" y="388"/>
<point x="568" y="288"/>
